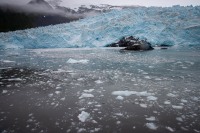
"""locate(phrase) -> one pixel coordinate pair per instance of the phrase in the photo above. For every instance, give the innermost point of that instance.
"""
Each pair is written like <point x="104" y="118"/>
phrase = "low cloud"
<point x="37" y="9"/>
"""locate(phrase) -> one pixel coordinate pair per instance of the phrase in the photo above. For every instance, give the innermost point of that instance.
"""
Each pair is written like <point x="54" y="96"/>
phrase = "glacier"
<point x="172" y="26"/>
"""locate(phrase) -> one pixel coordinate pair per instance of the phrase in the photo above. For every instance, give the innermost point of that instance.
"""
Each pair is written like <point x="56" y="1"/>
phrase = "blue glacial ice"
<point x="179" y="26"/>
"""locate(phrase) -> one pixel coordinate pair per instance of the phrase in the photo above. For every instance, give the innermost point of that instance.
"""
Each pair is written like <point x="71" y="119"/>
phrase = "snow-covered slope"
<point x="170" y="26"/>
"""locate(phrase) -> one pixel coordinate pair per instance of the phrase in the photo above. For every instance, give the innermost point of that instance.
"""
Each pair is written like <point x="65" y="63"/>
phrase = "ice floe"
<point x="5" y="91"/>
<point x="73" y="61"/>
<point x="152" y="98"/>
<point x="86" y="95"/>
<point x="83" y="116"/>
<point x="177" y="107"/>
<point x="151" y="126"/>
<point x="120" y="98"/>
<point x="152" y="118"/>
<point x="170" y="129"/>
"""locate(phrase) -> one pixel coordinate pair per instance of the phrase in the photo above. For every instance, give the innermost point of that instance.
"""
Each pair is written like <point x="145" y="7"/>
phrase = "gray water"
<point x="99" y="90"/>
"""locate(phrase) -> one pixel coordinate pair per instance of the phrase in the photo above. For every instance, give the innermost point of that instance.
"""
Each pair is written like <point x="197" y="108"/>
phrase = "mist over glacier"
<point x="175" y="25"/>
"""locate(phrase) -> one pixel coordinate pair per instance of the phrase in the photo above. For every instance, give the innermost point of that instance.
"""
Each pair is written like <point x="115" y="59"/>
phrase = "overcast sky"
<point x="74" y="3"/>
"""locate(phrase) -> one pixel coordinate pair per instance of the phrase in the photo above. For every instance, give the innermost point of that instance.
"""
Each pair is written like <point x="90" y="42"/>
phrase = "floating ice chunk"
<point x="73" y="61"/>
<point x="128" y="93"/>
<point x="184" y="101"/>
<point x="158" y="79"/>
<point x="152" y="118"/>
<point x="151" y="126"/>
<point x="195" y="98"/>
<point x="118" y="122"/>
<point x="50" y="95"/>
<point x="120" y="98"/>
<point x="170" y="129"/>
<point x="5" y="91"/>
<point x="179" y="119"/>
<point x="31" y="114"/>
<point x="177" y="107"/>
<point x="93" y="121"/>
<point x="7" y="61"/>
<point x="151" y="98"/>
<point x="119" y="114"/>
<point x="88" y="91"/>
<point x="147" y="77"/>
<point x="98" y="82"/>
<point x="98" y="105"/>
<point x="97" y="129"/>
<point x="81" y="130"/>
<point x="197" y="131"/>
<point x="62" y="99"/>
<point x="183" y="128"/>
<point x="80" y="79"/>
<point x="57" y="92"/>
<point x="83" y="116"/>
<point x="58" y="87"/>
<point x="167" y="102"/>
<point x="15" y="79"/>
<point x="86" y="95"/>
<point x="59" y="71"/>
<point x="171" y="95"/>
<point x="143" y="105"/>
<point x="123" y="93"/>
<point x="143" y="93"/>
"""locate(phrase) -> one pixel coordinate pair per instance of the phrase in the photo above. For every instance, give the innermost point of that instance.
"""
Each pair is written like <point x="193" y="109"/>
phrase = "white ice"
<point x="5" y="91"/>
<point x="171" y="25"/>
<point x="120" y="98"/>
<point x="152" y="98"/>
<point x="177" y="107"/>
<point x="83" y="116"/>
<point x="152" y="118"/>
<point x="86" y="95"/>
<point x="151" y="126"/>
<point x="73" y="61"/>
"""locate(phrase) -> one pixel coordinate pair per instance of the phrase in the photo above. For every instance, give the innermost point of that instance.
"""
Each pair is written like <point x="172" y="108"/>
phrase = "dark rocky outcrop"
<point x="132" y="43"/>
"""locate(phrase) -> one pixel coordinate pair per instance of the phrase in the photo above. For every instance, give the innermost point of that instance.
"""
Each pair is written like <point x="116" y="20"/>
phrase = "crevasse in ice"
<point x="175" y="25"/>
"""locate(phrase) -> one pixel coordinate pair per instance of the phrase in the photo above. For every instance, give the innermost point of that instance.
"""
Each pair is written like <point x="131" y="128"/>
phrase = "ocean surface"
<point x="104" y="90"/>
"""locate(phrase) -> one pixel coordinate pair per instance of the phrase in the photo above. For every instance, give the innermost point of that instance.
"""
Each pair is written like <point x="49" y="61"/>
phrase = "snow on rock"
<point x="83" y="116"/>
<point x="151" y="126"/>
<point x="86" y="95"/>
<point x="73" y="61"/>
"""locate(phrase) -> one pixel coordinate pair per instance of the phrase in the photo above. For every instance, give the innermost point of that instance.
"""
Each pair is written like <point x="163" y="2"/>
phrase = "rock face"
<point x="132" y="43"/>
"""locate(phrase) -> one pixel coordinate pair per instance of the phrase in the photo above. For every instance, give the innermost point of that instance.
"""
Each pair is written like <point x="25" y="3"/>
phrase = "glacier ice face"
<point x="170" y="26"/>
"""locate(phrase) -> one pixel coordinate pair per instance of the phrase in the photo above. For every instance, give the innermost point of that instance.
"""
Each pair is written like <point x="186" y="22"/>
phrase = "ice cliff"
<point x="175" y="25"/>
